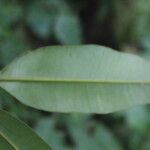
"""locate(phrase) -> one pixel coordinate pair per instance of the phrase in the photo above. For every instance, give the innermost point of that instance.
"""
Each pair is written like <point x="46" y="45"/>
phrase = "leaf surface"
<point x="15" y="135"/>
<point x="90" y="78"/>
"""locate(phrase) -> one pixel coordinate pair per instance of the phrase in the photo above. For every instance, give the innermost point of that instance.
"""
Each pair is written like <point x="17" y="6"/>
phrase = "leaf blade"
<point x="78" y="79"/>
<point x="17" y="136"/>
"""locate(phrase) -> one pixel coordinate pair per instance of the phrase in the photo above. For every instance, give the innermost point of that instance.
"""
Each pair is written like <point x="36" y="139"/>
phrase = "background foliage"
<point x="120" y="24"/>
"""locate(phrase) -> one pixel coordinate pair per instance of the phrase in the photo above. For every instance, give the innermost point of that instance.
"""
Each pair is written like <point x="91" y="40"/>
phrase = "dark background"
<point x="123" y="25"/>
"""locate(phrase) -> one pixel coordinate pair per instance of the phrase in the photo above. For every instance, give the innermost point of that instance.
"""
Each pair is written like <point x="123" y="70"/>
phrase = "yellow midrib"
<point x="37" y="79"/>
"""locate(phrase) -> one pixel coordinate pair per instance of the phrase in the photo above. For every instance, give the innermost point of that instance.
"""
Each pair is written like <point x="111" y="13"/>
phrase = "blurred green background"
<point x="121" y="24"/>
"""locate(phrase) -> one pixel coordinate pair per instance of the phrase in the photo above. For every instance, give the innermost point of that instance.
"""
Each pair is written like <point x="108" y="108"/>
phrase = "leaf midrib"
<point x="37" y="79"/>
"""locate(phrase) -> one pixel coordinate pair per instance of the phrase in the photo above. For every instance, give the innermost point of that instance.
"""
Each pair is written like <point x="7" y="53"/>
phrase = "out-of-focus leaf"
<point x="138" y="118"/>
<point x="104" y="6"/>
<point x="47" y="130"/>
<point x="7" y="102"/>
<point x="145" y="42"/>
<point x="139" y="141"/>
<point x="9" y="13"/>
<point x="105" y="138"/>
<point x="78" y="79"/>
<point x="42" y="16"/>
<point x="10" y="48"/>
<point x="146" y="145"/>
<point x="124" y="21"/>
<point x="41" y="20"/>
<point x="101" y="138"/>
<point x="142" y="18"/>
<point x="10" y="43"/>
<point x="131" y="28"/>
<point x="68" y="29"/>
<point x="16" y="135"/>
<point x="135" y="140"/>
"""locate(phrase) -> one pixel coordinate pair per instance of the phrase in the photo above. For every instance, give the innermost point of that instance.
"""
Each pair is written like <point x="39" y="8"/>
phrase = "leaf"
<point x="40" y="19"/>
<point x="46" y="127"/>
<point x="100" y="137"/>
<point x="15" y="135"/>
<point x="42" y="15"/>
<point x="138" y="119"/>
<point x="10" y="49"/>
<point x="8" y="8"/>
<point x="68" y="29"/>
<point x="91" y="79"/>
<point x="145" y="42"/>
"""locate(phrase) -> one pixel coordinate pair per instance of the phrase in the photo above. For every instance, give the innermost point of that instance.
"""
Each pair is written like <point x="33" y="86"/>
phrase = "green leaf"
<point x="68" y="29"/>
<point x="99" y="138"/>
<point x="42" y="15"/>
<point x="91" y="79"/>
<point x="46" y="127"/>
<point x="10" y="49"/>
<point x="138" y="118"/>
<point x="40" y="19"/>
<point x="15" y="135"/>
<point x="7" y="8"/>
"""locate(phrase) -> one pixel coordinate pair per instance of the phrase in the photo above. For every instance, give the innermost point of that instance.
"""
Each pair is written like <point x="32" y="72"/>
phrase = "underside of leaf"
<point x="90" y="78"/>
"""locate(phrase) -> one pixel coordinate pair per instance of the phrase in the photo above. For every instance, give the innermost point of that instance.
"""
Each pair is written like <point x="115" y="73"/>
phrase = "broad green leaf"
<point x="91" y="79"/>
<point x="15" y="135"/>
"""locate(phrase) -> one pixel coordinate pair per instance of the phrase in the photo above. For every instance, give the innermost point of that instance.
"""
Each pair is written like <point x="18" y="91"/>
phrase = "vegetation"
<point x="92" y="79"/>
